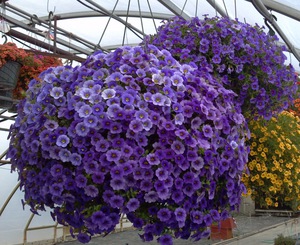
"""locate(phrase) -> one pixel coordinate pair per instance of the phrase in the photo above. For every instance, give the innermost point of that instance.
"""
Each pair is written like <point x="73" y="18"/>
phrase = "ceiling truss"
<point x="73" y="47"/>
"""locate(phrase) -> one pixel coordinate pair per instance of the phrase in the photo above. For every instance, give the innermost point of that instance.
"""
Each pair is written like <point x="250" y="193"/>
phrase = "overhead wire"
<point x="183" y="7"/>
<point x="107" y="23"/>
<point x="141" y="19"/>
<point x="225" y="7"/>
<point x="151" y="13"/>
<point x="126" y="21"/>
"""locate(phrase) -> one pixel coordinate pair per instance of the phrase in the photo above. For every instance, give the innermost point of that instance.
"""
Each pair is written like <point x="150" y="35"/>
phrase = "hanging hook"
<point x="48" y="8"/>
<point x="50" y="16"/>
<point x="271" y="31"/>
<point x="5" y="39"/>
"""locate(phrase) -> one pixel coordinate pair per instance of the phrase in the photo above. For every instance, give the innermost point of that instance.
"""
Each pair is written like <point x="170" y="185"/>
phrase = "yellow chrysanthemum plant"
<point x="273" y="180"/>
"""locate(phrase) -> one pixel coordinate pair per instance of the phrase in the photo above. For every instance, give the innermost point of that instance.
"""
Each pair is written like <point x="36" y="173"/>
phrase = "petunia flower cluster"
<point x="250" y="61"/>
<point x="131" y="132"/>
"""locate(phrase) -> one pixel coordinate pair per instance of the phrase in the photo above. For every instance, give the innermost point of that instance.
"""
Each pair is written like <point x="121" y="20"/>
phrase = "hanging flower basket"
<point x="6" y="99"/>
<point x="130" y="132"/>
<point x="9" y="74"/>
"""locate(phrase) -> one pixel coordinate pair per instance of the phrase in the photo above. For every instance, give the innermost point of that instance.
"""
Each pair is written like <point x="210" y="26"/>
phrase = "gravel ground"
<point x="245" y="226"/>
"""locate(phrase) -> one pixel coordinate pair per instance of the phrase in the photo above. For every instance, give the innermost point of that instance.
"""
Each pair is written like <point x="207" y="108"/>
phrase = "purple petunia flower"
<point x="51" y="125"/>
<point x="161" y="174"/>
<point x="90" y="121"/>
<point x="85" y="111"/>
<point x="108" y="93"/>
<point x="113" y="155"/>
<point x="62" y="140"/>
<point x="207" y="131"/>
<point x="83" y="237"/>
<point x="133" y="204"/>
<point x="165" y="240"/>
<point x="151" y="197"/>
<point x="80" y="181"/>
<point x="118" y="184"/>
<point x="180" y="214"/>
<point x="158" y="99"/>
<point x="152" y="159"/>
<point x="64" y="155"/>
<point x="81" y="129"/>
<point x="75" y="159"/>
<point x="91" y="191"/>
<point x="164" y="214"/>
<point x="178" y="147"/>
<point x="136" y="126"/>
<point x="57" y="92"/>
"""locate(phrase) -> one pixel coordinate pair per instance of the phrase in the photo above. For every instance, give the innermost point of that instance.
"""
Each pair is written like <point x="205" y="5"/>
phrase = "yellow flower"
<point x="253" y="144"/>
<point x="266" y="150"/>
<point x="268" y="201"/>
<point x="288" y="146"/>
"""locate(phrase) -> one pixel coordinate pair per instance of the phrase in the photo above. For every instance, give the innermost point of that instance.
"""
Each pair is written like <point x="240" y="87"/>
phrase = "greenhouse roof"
<point x="76" y="28"/>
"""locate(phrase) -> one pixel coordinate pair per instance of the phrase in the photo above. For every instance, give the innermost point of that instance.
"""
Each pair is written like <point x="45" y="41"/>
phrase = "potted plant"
<point x="11" y="58"/>
<point x="132" y="132"/>
<point x="14" y="83"/>
<point x="274" y="164"/>
<point x="249" y="61"/>
<point x="31" y="68"/>
<point x="223" y="230"/>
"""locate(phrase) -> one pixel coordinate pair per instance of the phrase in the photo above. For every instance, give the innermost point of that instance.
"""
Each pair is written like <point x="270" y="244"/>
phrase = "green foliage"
<point x="282" y="240"/>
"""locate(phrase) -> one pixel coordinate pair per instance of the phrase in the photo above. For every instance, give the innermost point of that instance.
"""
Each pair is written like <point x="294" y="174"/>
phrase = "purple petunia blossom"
<point x="158" y="99"/>
<point x="91" y="191"/>
<point x="180" y="214"/>
<point x="85" y="111"/>
<point x="151" y="197"/>
<point x="81" y="129"/>
<point x="62" y="140"/>
<point x="197" y="217"/>
<point x="113" y="155"/>
<point x="178" y="147"/>
<point x="64" y="155"/>
<point x="108" y="93"/>
<point x="152" y="159"/>
<point x="161" y="174"/>
<point x="75" y="159"/>
<point x="136" y="126"/>
<point x="118" y="184"/>
<point x="51" y="125"/>
<point x="90" y="121"/>
<point x="164" y="214"/>
<point x="81" y="181"/>
<point x="83" y="237"/>
<point x="57" y="92"/>
<point x="133" y="204"/>
<point x="207" y="131"/>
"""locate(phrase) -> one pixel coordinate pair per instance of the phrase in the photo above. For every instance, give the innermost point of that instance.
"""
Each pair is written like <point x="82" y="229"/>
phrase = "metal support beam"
<point x="218" y="8"/>
<point x="114" y="16"/>
<point x="261" y="8"/>
<point x="46" y="46"/>
<point x="44" y="23"/>
<point x="281" y="8"/>
<point x="174" y="9"/>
